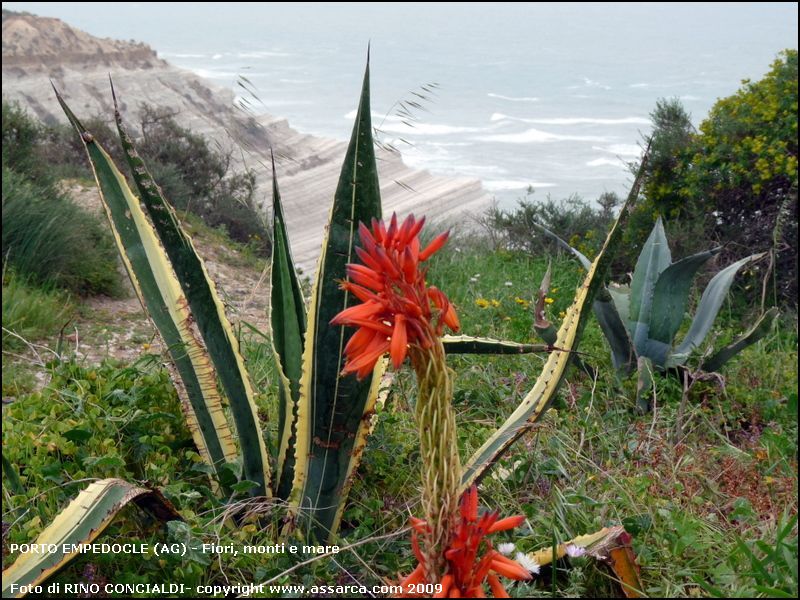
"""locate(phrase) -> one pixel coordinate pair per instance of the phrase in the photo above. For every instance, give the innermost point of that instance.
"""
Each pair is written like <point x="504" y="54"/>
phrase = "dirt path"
<point x="117" y="328"/>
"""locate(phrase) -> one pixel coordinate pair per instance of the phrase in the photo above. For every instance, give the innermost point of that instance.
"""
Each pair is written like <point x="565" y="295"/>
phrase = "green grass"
<point x="708" y="499"/>
<point x="31" y="312"/>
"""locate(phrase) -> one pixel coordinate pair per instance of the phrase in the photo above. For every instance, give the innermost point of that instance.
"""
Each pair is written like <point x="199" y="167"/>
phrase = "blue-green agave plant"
<point x="641" y="320"/>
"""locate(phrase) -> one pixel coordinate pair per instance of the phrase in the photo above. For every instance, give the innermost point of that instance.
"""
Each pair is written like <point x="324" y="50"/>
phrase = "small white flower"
<point x="574" y="551"/>
<point x="528" y="562"/>
<point x="458" y="249"/>
<point x="473" y="280"/>
<point x="509" y="283"/>
<point x="506" y="548"/>
<point x="477" y="275"/>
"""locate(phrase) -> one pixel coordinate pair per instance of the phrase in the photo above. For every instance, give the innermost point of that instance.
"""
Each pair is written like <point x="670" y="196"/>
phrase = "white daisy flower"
<point x="509" y="283"/>
<point x="528" y="562"/>
<point x="473" y="280"/>
<point x="506" y="548"/>
<point x="574" y="551"/>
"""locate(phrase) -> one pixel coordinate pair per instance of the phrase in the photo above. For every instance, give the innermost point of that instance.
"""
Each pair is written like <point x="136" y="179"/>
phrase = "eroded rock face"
<point x="37" y="50"/>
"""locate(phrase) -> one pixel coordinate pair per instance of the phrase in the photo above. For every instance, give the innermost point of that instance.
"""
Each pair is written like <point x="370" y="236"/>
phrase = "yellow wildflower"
<point x="562" y="314"/>
<point x="549" y="300"/>
<point x="482" y="303"/>
<point x="553" y="290"/>
<point x="495" y="303"/>
<point x="522" y="302"/>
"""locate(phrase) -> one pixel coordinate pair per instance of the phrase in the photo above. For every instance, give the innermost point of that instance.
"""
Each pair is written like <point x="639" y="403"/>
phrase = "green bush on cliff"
<point x="47" y="238"/>
<point x="731" y="179"/>
<point x="195" y="176"/>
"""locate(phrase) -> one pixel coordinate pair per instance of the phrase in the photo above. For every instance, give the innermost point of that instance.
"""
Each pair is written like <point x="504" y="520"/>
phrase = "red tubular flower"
<point x="466" y="570"/>
<point x="397" y="307"/>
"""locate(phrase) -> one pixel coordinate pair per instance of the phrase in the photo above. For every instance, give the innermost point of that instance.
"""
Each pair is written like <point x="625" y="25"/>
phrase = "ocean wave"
<point x="210" y="74"/>
<point x="629" y="150"/>
<point x="514" y="99"/>
<point x="574" y="120"/>
<point x="426" y="128"/>
<point x="595" y="84"/>
<point x="179" y="55"/>
<point x="605" y="162"/>
<point x="261" y="54"/>
<point x="534" y="136"/>
<point x="511" y="184"/>
<point x="449" y="144"/>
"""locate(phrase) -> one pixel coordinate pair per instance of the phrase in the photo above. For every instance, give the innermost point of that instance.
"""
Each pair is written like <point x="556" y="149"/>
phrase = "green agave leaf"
<point x="160" y="293"/>
<point x="11" y="477"/>
<point x="761" y="328"/>
<point x="82" y="521"/>
<point x="539" y="398"/>
<point x="331" y="415"/>
<point x="466" y="344"/>
<point x="605" y="309"/>
<point x="671" y="295"/>
<point x="654" y="258"/>
<point x="658" y="352"/>
<point x="621" y="296"/>
<point x="209" y="315"/>
<point x="288" y="325"/>
<point x="710" y="303"/>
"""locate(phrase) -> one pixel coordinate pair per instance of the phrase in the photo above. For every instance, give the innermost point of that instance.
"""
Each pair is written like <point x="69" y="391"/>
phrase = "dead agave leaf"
<point x="612" y="547"/>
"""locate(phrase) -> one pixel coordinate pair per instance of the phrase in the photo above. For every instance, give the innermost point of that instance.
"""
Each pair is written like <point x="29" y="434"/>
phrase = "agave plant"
<point x="324" y="414"/>
<point x="641" y="320"/>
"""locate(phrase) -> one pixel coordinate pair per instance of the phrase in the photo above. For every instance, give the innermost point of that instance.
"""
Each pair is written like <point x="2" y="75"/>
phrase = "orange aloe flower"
<point x="467" y="572"/>
<point x="397" y="307"/>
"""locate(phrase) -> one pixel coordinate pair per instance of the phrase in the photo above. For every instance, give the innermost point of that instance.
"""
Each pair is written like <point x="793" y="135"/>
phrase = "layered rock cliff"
<point x="38" y="50"/>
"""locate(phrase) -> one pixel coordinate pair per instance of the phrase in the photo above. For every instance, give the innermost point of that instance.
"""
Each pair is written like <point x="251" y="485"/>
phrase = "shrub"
<point x="737" y="176"/>
<point x="197" y="178"/>
<point x="20" y="135"/>
<point x="51" y="240"/>
<point x="194" y="176"/>
<point x="583" y="224"/>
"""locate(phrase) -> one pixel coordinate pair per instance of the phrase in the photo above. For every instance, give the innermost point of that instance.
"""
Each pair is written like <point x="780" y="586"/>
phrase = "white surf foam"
<point x="605" y="162"/>
<point x="628" y="150"/>
<point x="512" y="184"/>
<point x="514" y="99"/>
<point x="534" y="136"/>
<point x="573" y="120"/>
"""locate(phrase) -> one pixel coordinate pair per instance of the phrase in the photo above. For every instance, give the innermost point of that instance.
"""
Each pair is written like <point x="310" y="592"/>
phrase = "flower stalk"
<point x="441" y="466"/>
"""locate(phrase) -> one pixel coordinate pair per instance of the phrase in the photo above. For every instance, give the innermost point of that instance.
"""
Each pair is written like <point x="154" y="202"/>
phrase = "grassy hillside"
<point x="691" y="488"/>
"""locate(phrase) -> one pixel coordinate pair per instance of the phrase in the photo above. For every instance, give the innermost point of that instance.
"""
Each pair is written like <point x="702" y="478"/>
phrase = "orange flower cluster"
<point x="398" y="309"/>
<point x="467" y="572"/>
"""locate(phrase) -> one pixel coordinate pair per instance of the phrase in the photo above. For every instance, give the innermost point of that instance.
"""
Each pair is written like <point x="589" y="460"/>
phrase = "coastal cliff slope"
<point x="38" y="50"/>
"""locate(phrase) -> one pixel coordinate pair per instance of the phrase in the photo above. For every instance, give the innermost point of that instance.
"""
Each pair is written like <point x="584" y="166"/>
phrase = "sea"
<point x="531" y="98"/>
